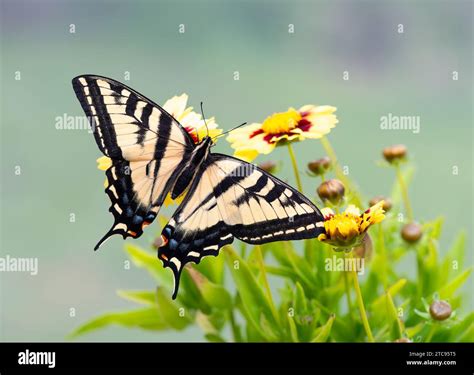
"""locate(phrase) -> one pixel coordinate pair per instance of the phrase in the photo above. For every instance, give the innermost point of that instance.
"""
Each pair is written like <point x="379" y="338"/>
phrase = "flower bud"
<point x="268" y="166"/>
<point x="331" y="190"/>
<point x="440" y="310"/>
<point x="394" y="153"/>
<point x="412" y="232"/>
<point x="364" y="249"/>
<point x="387" y="202"/>
<point x="320" y="166"/>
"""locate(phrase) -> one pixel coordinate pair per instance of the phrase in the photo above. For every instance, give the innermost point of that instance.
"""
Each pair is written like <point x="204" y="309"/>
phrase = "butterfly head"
<point x="207" y="142"/>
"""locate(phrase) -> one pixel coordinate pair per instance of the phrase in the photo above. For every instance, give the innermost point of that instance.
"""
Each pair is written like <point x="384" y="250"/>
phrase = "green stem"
<point x="430" y="334"/>
<point x="348" y="295"/>
<point x="404" y="190"/>
<point x="235" y="327"/>
<point x="383" y="255"/>
<point x="360" y="303"/>
<point x="295" y="167"/>
<point x="338" y="170"/>
<point x="266" y="285"/>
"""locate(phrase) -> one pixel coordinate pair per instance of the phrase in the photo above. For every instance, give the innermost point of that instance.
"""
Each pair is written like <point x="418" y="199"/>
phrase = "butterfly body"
<point x="153" y="155"/>
<point x="196" y="159"/>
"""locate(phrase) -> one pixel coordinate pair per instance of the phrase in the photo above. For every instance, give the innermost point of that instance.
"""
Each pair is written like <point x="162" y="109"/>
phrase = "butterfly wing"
<point x="231" y="198"/>
<point x="147" y="147"/>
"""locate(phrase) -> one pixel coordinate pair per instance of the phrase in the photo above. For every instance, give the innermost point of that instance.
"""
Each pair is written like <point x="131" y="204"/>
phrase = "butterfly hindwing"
<point x="231" y="198"/>
<point x="146" y="145"/>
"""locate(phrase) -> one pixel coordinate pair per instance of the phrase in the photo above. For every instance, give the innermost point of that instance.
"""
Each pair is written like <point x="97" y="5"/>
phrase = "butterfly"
<point x="153" y="155"/>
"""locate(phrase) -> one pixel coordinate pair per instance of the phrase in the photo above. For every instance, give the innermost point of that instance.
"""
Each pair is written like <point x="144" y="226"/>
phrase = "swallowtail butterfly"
<point x="153" y="155"/>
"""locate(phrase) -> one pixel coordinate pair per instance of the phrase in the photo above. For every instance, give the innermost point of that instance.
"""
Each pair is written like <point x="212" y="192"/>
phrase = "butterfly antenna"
<point x="204" y="118"/>
<point x="228" y="131"/>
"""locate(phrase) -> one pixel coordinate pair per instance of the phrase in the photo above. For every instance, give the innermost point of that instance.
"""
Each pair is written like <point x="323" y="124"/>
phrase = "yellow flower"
<point x="347" y="230"/>
<point x="191" y="121"/>
<point x="309" y="121"/>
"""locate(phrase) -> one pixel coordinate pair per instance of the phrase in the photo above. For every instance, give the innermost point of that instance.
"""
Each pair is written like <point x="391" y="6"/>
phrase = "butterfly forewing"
<point x="147" y="147"/>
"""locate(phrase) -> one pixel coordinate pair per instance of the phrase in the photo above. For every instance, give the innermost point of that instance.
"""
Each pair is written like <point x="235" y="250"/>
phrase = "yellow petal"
<point x="246" y="154"/>
<point x="322" y="237"/>
<point x="318" y="109"/>
<point x="373" y="215"/>
<point x="322" y="119"/>
<point x="104" y="163"/>
<point x="176" y="106"/>
<point x="239" y="137"/>
<point x="296" y="136"/>
<point x="353" y="210"/>
<point x="326" y="211"/>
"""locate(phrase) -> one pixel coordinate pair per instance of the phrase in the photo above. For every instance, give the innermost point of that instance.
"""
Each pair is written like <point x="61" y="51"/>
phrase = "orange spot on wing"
<point x="163" y="256"/>
<point x="164" y="239"/>
<point x="134" y="234"/>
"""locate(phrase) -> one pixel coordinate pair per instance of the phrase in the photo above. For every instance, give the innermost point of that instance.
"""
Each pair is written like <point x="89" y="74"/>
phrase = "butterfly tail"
<point x="110" y="233"/>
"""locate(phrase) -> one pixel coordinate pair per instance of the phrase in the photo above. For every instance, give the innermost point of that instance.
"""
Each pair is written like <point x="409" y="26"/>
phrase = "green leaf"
<point x="434" y="227"/>
<point x="282" y="271"/>
<point x="427" y="260"/>
<point x="393" y="290"/>
<point x="148" y="318"/>
<point x="423" y="314"/>
<point x="174" y="315"/>
<point x="190" y="295"/>
<point x="454" y="260"/>
<point x="144" y="297"/>
<point x="254" y="302"/>
<point x="385" y="314"/>
<point x="214" y="295"/>
<point x="214" y="338"/>
<point x="210" y="324"/>
<point x="292" y="328"/>
<point x="286" y="255"/>
<point x="212" y="268"/>
<point x="321" y="334"/>
<point x="415" y="330"/>
<point x="449" y="290"/>
<point x="463" y="331"/>
<point x="279" y="252"/>
<point x="299" y="303"/>
<point x="253" y="334"/>
<point x="151" y="263"/>
<point x="395" y="324"/>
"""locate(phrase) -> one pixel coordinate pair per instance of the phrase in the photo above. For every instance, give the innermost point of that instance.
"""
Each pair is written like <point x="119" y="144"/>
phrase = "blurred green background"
<point x="407" y="73"/>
